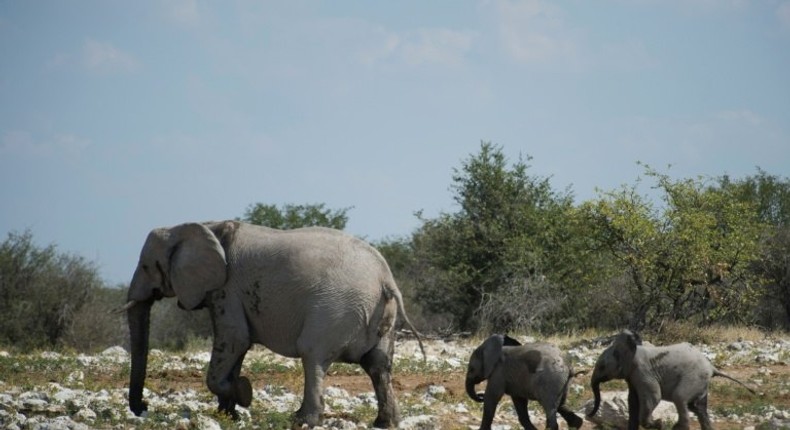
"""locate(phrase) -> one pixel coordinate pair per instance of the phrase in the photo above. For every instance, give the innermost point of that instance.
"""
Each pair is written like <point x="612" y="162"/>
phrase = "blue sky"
<point x="117" y="117"/>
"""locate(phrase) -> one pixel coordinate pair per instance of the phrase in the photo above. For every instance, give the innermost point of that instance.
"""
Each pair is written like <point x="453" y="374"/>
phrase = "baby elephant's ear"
<point x="509" y="341"/>
<point x="632" y="339"/>
<point x="492" y="353"/>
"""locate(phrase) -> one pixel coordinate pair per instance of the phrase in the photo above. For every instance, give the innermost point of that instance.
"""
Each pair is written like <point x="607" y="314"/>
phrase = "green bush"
<point x="42" y="292"/>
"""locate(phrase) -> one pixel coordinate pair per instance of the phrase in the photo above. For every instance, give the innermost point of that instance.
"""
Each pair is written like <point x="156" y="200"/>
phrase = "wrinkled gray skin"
<point x="313" y="293"/>
<point x="534" y="371"/>
<point x="676" y="373"/>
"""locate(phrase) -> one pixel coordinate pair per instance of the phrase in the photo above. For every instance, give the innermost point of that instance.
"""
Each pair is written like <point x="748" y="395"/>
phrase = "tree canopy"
<point x="515" y="254"/>
<point x="689" y="258"/>
<point x="292" y="216"/>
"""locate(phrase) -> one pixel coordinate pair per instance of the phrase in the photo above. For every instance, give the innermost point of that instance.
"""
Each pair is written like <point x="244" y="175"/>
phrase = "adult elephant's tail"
<point x="392" y="291"/>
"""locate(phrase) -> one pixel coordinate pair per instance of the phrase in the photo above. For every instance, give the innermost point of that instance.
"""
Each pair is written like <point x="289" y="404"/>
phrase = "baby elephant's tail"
<point x="574" y="421"/>
<point x="717" y="372"/>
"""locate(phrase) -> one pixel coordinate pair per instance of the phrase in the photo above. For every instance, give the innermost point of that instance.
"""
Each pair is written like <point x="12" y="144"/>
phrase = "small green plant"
<point x="364" y="413"/>
<point x="266" y="366"/>
<point x="273" y="420"/>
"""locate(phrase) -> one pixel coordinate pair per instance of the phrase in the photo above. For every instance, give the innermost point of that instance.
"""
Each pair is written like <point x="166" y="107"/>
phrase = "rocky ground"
<point x="49" y="390"/>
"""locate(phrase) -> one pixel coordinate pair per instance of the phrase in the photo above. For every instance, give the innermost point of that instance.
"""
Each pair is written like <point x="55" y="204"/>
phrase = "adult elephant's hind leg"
<point x="312" y="410"/>
<point x="378" y="365"/>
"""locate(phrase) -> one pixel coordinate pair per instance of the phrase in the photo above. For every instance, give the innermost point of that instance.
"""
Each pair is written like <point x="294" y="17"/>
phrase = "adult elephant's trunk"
<point x="596" y="389"/>
<point x="139" y="318"/>
<point x="470" y="391"/>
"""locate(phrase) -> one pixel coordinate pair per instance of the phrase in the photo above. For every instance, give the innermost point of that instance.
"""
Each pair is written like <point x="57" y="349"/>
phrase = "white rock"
<point x="182" y="424"/>
<point x="115" y="351"/>
<point x="86" y="360"/>
<point x="206" y="423"/>
<point x="418" y="422"/>
<point x="335" y="392"/>
<point x="85" y="415"/>
<point x="49" y="355"/>
<point x="738" y="346"/>
<point x="436" y="390"/>
<point x="613" y="411"/>
<point x="200" y="357"/>
<point x="75" y="378"/>
<point x="453" y="362"/>
<point x="766" y="357"/>
<point x="64" y="395"/>
<point x="6" y="400"/>
<point x="460" y="408"/>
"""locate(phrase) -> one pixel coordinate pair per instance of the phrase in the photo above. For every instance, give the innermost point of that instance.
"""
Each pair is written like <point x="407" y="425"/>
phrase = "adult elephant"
<point x="313" y="293"/>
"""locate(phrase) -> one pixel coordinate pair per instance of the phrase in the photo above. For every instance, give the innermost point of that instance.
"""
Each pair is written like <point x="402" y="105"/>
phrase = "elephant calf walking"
<point x="534" y="371"/>
<point x="676" y="373"/>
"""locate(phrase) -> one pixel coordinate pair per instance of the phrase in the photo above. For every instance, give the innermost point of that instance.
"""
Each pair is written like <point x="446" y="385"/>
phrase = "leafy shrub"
<point x="95" y="326"/>
<point x="42" y="292"/>
<point x="522" y="305"/>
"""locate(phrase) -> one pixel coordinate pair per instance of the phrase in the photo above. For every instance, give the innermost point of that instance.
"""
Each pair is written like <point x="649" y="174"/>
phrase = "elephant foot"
<point x="385" y="423"/>
<point x="230" y="412"/>
<point x="139" y="408"/>
<point x="574" y="421"/>
<point x="300" y="419"/>
<point x="242" y="391"/>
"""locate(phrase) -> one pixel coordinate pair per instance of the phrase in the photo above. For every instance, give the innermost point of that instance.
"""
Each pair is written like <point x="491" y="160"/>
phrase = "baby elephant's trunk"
<point x="596" y="389"/>
<point x="470" y="391"/>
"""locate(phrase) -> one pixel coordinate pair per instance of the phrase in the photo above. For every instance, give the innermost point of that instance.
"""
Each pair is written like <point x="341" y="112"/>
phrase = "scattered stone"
<point x="67" y="404"/>
<point x="613" y="412"/>
<point x="418" y="422"/>
<point x="206" y="423"/>
<point x="436" y="391"/>
<point x="75" y="378"/>
<point x="85" y="415"/>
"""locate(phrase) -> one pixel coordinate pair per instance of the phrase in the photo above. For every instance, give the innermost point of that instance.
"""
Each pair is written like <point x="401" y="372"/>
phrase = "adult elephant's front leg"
<point x="377" y="363"/>
<point x="241" y="392"/>
<point x="231" y="342"/>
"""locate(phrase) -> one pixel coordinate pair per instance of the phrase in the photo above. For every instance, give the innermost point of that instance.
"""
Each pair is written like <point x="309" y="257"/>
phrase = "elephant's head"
<point x="186" y="261"/>
<point x="615" y="362"/>
<point x="484" y="360"/>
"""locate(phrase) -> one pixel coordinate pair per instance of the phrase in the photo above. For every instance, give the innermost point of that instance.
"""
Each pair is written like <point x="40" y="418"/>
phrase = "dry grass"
<point x="675" y="332"/>
<point x="412" y="378"/>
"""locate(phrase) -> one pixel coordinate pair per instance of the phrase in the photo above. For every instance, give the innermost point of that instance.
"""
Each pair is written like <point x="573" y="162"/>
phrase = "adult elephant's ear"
<point x="197" y="264"/>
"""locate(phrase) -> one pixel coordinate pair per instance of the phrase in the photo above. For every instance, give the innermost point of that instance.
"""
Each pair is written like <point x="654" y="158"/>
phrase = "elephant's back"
<point x="315" y="280"/>
<point x="542" y="369"/>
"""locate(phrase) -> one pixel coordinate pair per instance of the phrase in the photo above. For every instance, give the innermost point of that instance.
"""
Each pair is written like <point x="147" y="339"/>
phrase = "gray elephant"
<point x="533" y="371"/>
<point x="677" y="373"/>
<point x="313" y="293"/>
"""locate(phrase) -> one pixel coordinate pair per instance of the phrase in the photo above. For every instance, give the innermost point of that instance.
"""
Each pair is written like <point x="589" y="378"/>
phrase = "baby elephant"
<point x="676" y="373"/>
<point x="535" y="371"/>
